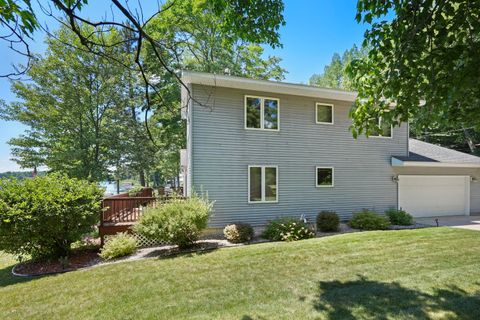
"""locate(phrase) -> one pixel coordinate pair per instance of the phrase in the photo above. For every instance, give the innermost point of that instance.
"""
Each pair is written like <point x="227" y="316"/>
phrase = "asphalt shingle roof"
<point x="423" y="151"/>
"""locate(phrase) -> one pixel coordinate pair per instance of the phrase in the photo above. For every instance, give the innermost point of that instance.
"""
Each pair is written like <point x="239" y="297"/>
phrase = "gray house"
<point x="264" y="149"/>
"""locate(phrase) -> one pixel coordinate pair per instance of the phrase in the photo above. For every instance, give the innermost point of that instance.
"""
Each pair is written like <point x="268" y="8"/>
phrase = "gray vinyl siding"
<point x="222" y="149"/>
<point x="475" y="197"/>
<point x="474" y="185"/>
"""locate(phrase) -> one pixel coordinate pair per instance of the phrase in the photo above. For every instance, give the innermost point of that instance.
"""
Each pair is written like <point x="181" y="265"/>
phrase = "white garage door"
<point x="427" y="196"/>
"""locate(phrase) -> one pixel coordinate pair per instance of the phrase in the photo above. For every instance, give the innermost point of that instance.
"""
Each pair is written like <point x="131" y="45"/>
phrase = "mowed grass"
<point x="415" y="274"/>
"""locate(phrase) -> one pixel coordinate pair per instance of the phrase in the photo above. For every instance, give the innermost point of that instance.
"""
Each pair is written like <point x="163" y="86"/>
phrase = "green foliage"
<point x="42" y="217"/>
<point x="18" y="14"/>
<point x="77" y="108"/>
<point x="211" y="37"/>
<point x="119" y="245"/>
<point x="177" y="221"/>
<point x="399" y="217"/>
<point x="334" y="74"/>
<point x="251" y="21"/>
<point x="238" y="232"/>
<point x="368" y="220"/>
<point x="422" y="59"/>
<point x="135" y="191"/>
<point x="328" y="221"/>
<point x="287" y="229"/>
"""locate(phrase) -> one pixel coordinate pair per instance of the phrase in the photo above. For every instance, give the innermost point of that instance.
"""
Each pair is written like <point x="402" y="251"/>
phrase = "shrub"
<point x="42" y="217"/>
<point x="178" y="221"/>
<point x="399" y="217"/>
<point x="120" y="245"/>
<point x="287" y="229"/>
<point x="368" y="220"/>
<point x="238" y="232"/>
<point x="328" y="221"/>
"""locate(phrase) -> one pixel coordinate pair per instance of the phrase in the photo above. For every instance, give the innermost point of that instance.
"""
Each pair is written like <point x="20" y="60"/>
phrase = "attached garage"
<point x="432" y="195"/>
<point x="436" y="181"/>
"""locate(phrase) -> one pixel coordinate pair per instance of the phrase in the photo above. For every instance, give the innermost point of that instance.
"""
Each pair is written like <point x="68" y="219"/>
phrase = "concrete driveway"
<point x="463" y="222"/>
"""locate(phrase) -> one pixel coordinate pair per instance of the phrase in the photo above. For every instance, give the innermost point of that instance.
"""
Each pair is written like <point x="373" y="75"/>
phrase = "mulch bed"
<point x="77" y="260"/>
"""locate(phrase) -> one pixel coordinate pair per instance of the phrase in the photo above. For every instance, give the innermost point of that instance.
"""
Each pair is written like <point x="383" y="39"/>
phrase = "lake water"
<point x="111" y="187"/>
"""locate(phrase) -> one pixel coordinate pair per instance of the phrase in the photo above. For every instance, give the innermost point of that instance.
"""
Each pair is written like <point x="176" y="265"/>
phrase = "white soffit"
<point x="209" y="79"/>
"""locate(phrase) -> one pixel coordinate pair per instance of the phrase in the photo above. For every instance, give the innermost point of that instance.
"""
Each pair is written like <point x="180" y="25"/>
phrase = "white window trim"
<point x="381" y="136"/>
<point x="263" y="183"/>
<point x="262" y="113"/>
<point x="316" y="113"/>
<point x="316" y="177"/>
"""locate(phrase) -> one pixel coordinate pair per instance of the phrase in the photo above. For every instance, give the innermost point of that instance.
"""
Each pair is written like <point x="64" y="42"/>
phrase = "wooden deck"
<point x="122" y="211"/>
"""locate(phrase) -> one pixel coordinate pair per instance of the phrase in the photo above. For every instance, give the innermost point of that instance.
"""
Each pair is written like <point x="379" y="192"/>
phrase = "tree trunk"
<point x="142" y="178"/>
<point x="118" y="186"/>
<point x="469" y="140"/>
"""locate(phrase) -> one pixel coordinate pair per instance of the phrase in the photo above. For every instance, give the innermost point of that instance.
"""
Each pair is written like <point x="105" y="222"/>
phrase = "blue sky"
<point x="314" y="31"/>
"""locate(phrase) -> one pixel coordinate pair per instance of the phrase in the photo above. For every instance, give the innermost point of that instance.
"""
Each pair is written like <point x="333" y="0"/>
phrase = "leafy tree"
<point x="424" y="61"/>
<point x="334" y="74"/>
<point x="27" y="151"/>
<point x="200" y="39"/>
<point x="73" y="106"/>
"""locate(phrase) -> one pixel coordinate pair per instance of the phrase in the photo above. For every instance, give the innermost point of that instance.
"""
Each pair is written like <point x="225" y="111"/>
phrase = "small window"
<point x="262" y="184"/>
<point x="324" y="113"/>
<point x="261" y="113"/>
<point x="324" y="177"/>
<point x="384" y="130"/>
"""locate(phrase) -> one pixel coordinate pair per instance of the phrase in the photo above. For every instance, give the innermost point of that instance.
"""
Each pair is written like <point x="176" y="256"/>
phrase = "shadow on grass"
<point x="176" y="253"/>
<point x="7" y="278"/>
<point x="371" y="299"/>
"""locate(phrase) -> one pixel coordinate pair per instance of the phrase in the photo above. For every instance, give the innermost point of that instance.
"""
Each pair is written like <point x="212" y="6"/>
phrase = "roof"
<point x="426" y="154"/>
<point x="278" y="87"/>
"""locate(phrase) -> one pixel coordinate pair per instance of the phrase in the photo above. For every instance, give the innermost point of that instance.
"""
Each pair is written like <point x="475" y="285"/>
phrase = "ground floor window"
<point x="324" y="176"/>
<point x="262" y="183"/>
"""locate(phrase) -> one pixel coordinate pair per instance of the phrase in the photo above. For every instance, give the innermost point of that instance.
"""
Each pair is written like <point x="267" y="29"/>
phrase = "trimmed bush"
<point x="287" y="229"/>
<point x="368" y="220"/>
<point x="328" y="221"/>
<point x="238" y="232"/>
<point x="42" y="217"/>
<point x="119" y="245"/>
<point x="177" y="221"/>
<point x="399" y="217"/>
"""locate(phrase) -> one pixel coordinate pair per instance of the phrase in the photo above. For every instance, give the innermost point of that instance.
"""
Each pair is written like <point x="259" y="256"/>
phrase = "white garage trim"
<point x="400" y="163"/>
<point x="434" y="195"/>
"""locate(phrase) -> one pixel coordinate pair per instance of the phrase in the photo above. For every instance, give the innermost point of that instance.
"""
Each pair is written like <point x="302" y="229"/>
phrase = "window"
<point x="261" y="113"/>
<point x="384" y="130"/>
<point x="324" y="113"/>
<point x="262" y="184"/>
<point x="324" y="176"/>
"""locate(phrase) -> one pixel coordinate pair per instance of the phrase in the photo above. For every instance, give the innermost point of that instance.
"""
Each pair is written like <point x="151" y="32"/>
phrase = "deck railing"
<point x="123" y="208"/>
<point x="121" y="212"/>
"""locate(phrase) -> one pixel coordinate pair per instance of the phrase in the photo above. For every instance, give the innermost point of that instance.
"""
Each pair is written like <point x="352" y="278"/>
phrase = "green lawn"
<point x="429" y="273"/>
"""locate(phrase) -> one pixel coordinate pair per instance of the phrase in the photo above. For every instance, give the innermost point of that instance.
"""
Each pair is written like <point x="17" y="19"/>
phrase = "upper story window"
<point x="384" y="130"/>
<point x="261" y="113"/>
<point x="324" y="113"/>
